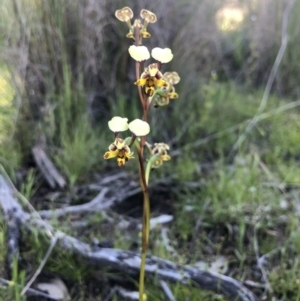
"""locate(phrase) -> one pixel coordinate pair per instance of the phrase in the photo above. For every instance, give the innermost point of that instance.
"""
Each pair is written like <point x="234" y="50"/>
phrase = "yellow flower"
<point x="165" y="100"/>
<point x="120" y="150"/>
<point x="160" y="149"/>
<point x="151" y="79"/>
<point x="163" y="96"/>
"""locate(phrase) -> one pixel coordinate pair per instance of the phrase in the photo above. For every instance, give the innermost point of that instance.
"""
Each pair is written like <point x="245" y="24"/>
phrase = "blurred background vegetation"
<point x="65" y="71"/>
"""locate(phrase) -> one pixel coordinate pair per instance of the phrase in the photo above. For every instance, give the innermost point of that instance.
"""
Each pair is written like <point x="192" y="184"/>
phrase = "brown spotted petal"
<point x="119" y="143"/>
<point x="153" y="70"/>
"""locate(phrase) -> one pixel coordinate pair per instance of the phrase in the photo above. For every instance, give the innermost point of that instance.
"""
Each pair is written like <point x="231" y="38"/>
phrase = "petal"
<point x="145" y="74"/>
<point x="163" y="145"/>
<point x="157" y="163"/>
<point x="141" y="82"/>
<point x="139" y="127"/>
<point x="130" y="35"/>
<point x="161" y="83"/>
<point x="111" y="154"/>
<point x="165" y="157"/>
<point x="145" y="34"/>
<point x="152" y="69"/>
<point x="121" y="161"/>
<point x="129" y="155"/>
<point x="172" y="77"/>
<point x="118" y="124"/>
<point x="149" y="16"/>
<point x="151" y="82"/>
<point x="124" y="14"/>
<point x="149" y="91"/>
<point x="160" y="148"/>
<point x="162" y="101"/>
<point x="162" y="55"/>
<point x="112" y="147"/>
<point x="139" y="53"/>
<point x="173" y="95"/>
<point x="119" y="143"/>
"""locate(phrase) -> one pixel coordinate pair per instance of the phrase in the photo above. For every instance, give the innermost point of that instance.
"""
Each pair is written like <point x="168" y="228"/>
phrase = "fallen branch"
<point x="127" y="262"/>
<point x="47" y="168"/>
<point x="96" y="204"/>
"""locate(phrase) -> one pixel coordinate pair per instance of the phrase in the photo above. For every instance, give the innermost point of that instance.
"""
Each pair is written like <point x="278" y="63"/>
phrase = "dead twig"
<point x="96" y="204"/>
<point x="167" y="290"/>
<point x="47" y="168"/>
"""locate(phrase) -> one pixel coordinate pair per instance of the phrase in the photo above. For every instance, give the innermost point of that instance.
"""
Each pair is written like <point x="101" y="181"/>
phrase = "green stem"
<point x="144" y="177"/>
<point x="145" y="223"/>
<point x="145" y="239"/>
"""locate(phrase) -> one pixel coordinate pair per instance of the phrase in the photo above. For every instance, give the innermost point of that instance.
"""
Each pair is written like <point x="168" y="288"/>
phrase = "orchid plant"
<point x="153" y="87"/>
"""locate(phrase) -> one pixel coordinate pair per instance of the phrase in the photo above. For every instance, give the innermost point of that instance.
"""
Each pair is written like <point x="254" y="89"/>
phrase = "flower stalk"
<point x="151" y="84"/>
<point x="144" y="183"/>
